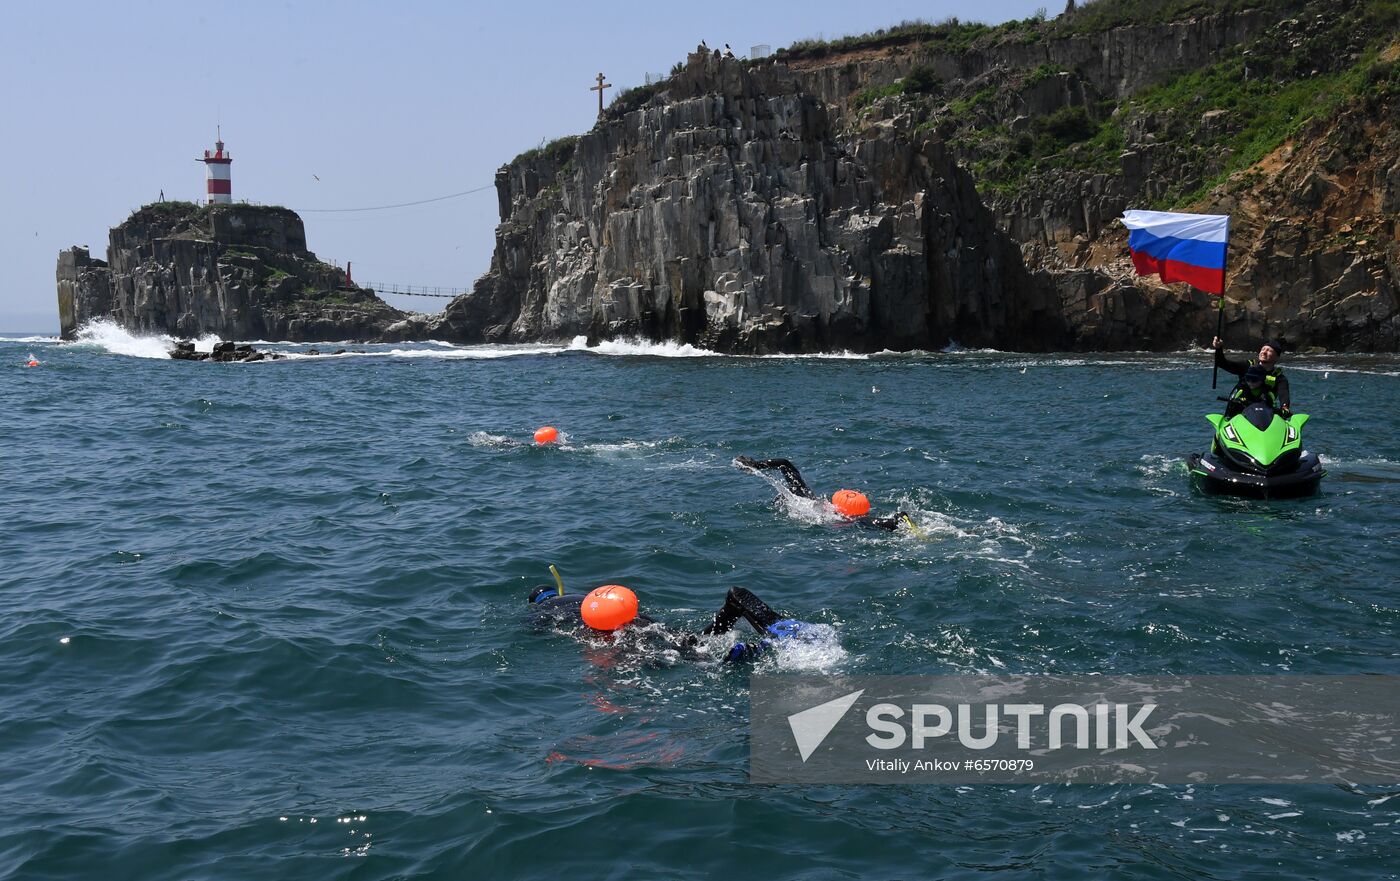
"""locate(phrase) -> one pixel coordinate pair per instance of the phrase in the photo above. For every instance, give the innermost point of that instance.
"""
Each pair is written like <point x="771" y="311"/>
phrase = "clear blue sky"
<point x="106" y="104"/>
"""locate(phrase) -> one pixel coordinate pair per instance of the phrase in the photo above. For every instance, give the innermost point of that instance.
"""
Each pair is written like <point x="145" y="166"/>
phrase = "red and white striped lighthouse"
<point x="217" y="178"/>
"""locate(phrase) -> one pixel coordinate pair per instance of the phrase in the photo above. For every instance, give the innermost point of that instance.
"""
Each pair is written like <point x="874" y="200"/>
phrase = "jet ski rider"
<point x="1252" y="388"/>
<point x="1274" y="380"/>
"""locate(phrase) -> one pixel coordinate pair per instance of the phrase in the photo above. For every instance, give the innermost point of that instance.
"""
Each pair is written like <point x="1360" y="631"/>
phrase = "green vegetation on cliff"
<point x="951" y="34"/>
<point x="1303" y="70"/>
<point x="558" y="152"/>
<point x="1097" y="16"/>
<point x="1314" y="59"/>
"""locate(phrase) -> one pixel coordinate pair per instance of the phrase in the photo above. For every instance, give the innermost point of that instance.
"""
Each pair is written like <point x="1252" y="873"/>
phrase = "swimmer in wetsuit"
<point x="798" y="487"/>
<point x="547" y="604"/>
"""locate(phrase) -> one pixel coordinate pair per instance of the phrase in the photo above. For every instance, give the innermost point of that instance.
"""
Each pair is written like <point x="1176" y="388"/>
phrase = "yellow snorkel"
<point x="918" y="533"/>
<point x="557" y="580"/>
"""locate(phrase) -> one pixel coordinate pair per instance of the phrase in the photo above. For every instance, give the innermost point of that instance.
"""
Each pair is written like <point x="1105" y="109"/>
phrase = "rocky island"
<point x="237" y="271"/>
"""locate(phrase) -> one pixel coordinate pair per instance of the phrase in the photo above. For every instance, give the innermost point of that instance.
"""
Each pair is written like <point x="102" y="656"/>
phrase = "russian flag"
<point x="1180" y="247"/>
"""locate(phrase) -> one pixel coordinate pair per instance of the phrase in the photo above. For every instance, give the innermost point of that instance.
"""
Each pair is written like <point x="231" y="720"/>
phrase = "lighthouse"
<point x="216" y="164"/>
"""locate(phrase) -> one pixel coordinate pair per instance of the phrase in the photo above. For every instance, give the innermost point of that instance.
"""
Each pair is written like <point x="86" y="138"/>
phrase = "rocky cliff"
<point x="733" y="212"/>
<point x="963" y="183"/>
<point x="237" y="271"/>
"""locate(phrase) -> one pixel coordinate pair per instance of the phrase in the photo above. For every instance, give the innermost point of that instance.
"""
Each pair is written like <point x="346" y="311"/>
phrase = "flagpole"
<point x="1220" y="316"/>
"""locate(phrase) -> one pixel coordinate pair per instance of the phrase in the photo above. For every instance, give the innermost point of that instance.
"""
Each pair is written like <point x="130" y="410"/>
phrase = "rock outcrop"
<point x="733" y="214"/>
<point x="236" y="271"/>
<point x="225" y="353"/>
<point x="877" y="195"/>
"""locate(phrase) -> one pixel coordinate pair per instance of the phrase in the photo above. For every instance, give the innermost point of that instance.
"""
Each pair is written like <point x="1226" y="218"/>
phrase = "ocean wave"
<point x="114" y="339"/>
<point x="641" y="347"/>
<point x="1156" y="465"/>
<point x="483" y="352"/>
<point x="1327" y="369"/>
<point x="496" y="441"/>
<point x="442" y="352"/>
<point x="671" y="349"/>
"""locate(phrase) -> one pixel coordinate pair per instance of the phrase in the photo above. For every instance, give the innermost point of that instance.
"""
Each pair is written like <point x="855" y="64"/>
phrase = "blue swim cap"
<point x="791" y="628"/>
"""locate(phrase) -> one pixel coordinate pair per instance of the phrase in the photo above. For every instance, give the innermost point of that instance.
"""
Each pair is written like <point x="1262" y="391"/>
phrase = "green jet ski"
<point x="1257" y="453"/>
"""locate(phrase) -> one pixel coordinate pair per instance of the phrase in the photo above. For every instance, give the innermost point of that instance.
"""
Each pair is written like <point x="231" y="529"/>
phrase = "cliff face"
<point x="1313" y="255"/>
<point x="237" y="271"/>
<point x="910" y="192"/>
<point x="735" y="215"/>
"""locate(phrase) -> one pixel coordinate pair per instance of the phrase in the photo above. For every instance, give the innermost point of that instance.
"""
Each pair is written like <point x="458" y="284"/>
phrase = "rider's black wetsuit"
<point x="1274" y="381"/>
<point x="740" y="603"/>
<point x="793" y="478"/>
<point x="1242" y="396"/>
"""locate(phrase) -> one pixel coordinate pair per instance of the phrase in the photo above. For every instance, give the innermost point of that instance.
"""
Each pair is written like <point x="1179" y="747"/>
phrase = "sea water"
<point x="267" y="620"/>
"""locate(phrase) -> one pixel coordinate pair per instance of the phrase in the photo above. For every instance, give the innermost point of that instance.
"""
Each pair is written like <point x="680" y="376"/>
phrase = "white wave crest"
<point x="484" y="352"/>
<point x="110" y="337"/>
<point x="641" y="347"/>
<point x="486" y="439"/>
<point x="1327" y="369"/>
<point x="1157" y="465"/>
<point x="671" y="349"/>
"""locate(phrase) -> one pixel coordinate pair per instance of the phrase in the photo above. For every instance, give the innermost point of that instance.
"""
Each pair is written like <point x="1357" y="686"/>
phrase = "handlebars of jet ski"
<point x="1277" y="410"/>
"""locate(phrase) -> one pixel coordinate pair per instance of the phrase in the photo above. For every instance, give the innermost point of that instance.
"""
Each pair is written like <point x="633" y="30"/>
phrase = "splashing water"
<point x="107" y="336"/>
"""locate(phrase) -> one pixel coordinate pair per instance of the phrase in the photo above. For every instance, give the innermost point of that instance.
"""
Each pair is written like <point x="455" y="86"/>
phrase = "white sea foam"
<point x="1377" y="463"/>
<point x="803" y="510"/>
<point x="618" y="447"/>
<point x="485" y="352"/>
<point x="1326" y="369"/>
<point x="28" y="339"/>
<point x="934" y="525"/>
<point x="440" y="351"/>
<point x="110" y="337"/>
<point x="1156" y="465"/>
<point x="670" y="349"/>
<point x="829" y="356"/>
<point x="956" y="348"/>
<point x="641" y="347"/>
<point x="814" y="511"/>
<point x="486" y="439"/>
<point x="820" y="652"/>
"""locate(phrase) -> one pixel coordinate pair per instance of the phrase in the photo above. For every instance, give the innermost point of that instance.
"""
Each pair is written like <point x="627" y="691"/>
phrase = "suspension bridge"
<point x="413" y="290"/>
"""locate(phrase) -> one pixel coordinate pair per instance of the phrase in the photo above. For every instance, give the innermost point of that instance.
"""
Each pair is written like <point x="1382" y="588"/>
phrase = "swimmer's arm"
<point x="791" y="476"/>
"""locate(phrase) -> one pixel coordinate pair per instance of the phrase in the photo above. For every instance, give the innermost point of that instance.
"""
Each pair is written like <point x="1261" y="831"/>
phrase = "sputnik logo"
<point x="811" y="726"/>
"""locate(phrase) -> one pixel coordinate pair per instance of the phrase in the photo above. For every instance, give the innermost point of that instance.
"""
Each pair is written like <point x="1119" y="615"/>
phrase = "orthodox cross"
<point x="599" y="89"/>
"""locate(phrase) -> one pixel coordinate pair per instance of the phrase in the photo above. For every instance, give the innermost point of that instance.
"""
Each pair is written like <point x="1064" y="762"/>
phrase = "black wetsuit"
<point x="740" y="603"/>
<point x="1274" y="381"/>
<point x="793" y="478"/>
<point x="1243" y="396"/>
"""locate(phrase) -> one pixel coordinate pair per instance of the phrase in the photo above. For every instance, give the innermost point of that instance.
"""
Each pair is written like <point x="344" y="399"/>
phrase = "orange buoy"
<point x="850" y="502"/>
<point x="547" y="434"/>
<point x="32" y="363"/>
<point x="609" y="607"/>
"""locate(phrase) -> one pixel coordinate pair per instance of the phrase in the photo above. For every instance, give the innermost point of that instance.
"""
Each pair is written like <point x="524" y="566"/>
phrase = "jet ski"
<point x="1257" y="453"/>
